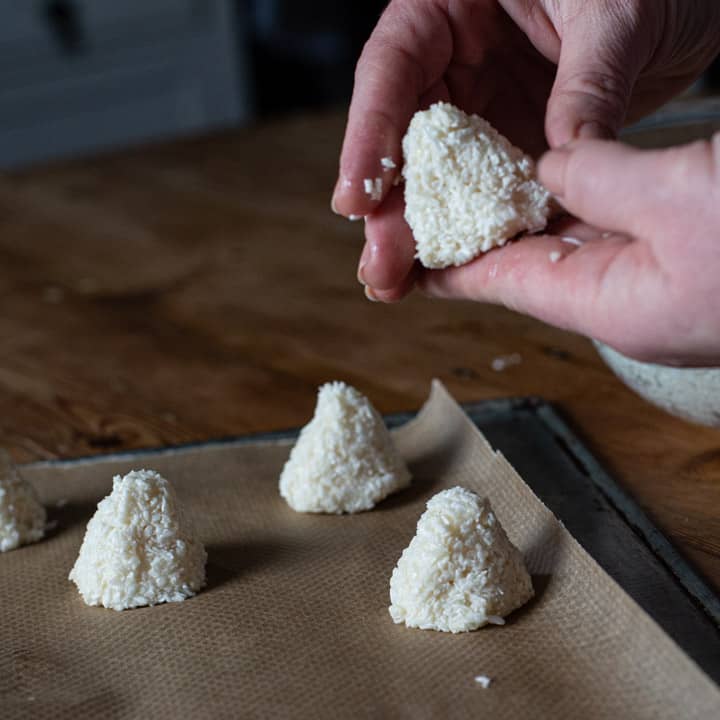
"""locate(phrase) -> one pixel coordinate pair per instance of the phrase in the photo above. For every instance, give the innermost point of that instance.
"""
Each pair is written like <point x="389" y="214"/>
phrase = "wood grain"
<point x="200" y="289"/>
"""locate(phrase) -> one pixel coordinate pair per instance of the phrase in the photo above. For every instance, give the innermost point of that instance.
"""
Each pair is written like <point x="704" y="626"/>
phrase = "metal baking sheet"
<point x="593" y="507"/>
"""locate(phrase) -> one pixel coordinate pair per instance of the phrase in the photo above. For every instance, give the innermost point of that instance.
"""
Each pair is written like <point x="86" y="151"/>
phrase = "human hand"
<point x="649" y="285"/>
<point x="615" y="61"/>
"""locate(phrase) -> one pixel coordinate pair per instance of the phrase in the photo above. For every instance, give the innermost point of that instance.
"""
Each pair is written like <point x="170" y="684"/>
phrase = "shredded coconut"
<point x="139" y="548"/>
<point x="355" y="218"/>
<point x="555" y="256"/>
<point x="22" y="517"/>
<point x="387" y="163"/>
<point x="378" y="189"/>
<point x="503" y="362"/>
<point x="467" y="189"/>
<point x="459" y="569"/>
<point x="373" y="188"/>
<point x="483" y="681"/>
<point x="344" y="459"/>
<point x="571" y="241"/>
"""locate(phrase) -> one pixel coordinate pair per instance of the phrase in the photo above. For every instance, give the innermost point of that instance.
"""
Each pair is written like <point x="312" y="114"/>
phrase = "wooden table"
<point x="202" y="289"/>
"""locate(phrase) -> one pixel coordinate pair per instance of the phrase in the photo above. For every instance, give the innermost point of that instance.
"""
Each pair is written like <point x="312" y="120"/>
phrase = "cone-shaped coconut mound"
<point x="139" y="548"/>
<point x="22" y="517"/>
<point x="467" y="188"/>
<point x="344" y="459"/>
<point x="460" y="571"/>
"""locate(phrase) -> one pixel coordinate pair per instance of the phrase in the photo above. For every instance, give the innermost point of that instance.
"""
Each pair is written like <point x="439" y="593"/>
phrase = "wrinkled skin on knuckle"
<point x="603" y="89"/>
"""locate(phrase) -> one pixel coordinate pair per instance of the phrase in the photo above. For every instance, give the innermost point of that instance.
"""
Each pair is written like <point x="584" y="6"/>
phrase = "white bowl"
<point x="690" y="393"/>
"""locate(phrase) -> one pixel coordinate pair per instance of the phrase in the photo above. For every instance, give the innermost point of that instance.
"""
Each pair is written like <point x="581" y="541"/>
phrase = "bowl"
<point x="690" y="393"/>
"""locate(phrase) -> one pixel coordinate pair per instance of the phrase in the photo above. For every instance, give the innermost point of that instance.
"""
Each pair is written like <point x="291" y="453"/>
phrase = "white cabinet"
<point x="78" y="75"/>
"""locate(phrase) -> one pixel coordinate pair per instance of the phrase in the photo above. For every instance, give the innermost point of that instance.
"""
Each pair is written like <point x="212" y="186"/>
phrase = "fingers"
<point x="576" y="287"/>
<point x="403" y="59"/>
<point x="600" y="60"/>
<point x="620" y="188"/>
<point x="387" y="261"/>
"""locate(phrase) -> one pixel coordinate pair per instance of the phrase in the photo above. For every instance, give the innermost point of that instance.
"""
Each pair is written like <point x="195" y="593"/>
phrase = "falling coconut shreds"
<point x="345" y="460"/>
<point x="555" y="256"/>
<point x="387" y="163"/>
<point x="483" y="681"/>
<point x="503" y="362"/>
<point x="355" y="218"/>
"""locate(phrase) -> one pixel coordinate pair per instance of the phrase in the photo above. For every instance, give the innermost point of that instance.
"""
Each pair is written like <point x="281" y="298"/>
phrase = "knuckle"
<point x="604" y="89"/>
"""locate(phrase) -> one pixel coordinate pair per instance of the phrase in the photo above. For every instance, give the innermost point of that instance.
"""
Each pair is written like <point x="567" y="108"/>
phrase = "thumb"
<point x="593" y="84"/>
<point x="617" y="187"/>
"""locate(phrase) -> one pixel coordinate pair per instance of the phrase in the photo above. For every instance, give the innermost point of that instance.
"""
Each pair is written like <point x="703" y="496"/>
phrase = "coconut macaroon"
<point x="139" y="548"/>
<point x="460" y="571"/>
<point x="467" y="188"/>
<point x="22" y="517"/>
<point x="344" y="460"/>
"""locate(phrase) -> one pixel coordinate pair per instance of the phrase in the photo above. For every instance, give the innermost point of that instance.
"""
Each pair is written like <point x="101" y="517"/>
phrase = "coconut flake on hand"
<point x="139" y="547"/>
<point x="22" y="517"/>
<point x="344" y="460"/>
<point x="460" y="571"/>
<point x="467" y="188"/>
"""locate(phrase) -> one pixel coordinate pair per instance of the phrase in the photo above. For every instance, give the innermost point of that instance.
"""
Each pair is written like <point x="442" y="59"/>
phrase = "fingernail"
<point x="341" y="185"/>
<point x="595" y="131"/>
<point x="370" y="294"/>
<point x="362" y="264"/>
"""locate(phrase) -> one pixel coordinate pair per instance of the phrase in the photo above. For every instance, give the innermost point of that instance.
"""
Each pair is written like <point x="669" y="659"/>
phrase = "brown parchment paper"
<point x="294" y="620"/>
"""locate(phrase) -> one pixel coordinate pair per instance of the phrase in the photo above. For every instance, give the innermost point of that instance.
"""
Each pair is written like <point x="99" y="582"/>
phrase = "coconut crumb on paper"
<point x="344" y="460"/>
<point x="503" y="362"/>
<point x="483" y="681"/>
<point x="496" y="620"/>
<point x="467" y="188"/>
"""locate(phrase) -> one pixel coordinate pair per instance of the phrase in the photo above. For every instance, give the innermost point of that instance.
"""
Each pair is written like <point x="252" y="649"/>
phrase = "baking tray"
<point x="596" y="511"/>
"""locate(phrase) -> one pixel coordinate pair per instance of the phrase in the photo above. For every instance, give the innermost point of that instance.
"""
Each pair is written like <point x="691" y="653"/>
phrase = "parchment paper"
<point x="294" y="621"/>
